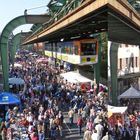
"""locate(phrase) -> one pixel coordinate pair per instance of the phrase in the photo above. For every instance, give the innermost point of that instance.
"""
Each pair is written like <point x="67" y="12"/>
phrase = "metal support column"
<point x="16" y="41"/>
<point x="13" y="24"/>
<point x="5" y="65"/>
<point x="55" y="54"/>
<point x="113" y="71"/>
<point x="97" y="66"/>
<point x="52" y="50"/>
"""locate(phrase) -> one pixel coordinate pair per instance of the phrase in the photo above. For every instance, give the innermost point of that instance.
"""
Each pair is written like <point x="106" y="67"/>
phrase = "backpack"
<point x="79" y="121"/>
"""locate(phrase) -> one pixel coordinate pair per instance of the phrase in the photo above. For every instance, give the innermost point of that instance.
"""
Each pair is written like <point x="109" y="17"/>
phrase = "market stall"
<point x="131" y="98"/>
<point x="75" y="77"/>
<point x="116" y="115"/>
<point x="7" y="98"/>
<point x="131" y="93"/>
<point x="16" y="81"/>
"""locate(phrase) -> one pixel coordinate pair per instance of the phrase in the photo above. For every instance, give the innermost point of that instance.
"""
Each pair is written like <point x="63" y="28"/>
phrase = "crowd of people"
<point x="125" y="126"/>
<point x="45" y="97"/>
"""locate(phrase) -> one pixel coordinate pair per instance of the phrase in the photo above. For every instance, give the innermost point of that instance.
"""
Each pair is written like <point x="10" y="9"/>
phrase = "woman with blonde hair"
<point x="87" y="134"/>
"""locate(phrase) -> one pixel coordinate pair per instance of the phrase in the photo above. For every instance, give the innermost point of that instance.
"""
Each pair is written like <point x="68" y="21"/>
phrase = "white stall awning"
<point x="75" y="77"/>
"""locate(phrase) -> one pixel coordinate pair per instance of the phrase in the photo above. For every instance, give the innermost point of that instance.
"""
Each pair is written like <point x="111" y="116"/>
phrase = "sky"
<point x="10" y="9"/>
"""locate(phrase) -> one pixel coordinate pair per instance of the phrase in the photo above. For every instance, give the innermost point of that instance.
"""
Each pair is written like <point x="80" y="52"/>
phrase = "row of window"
<point x="128" y="62"/>
<point x="66" y="48"/>
<point x="70" y="48"/>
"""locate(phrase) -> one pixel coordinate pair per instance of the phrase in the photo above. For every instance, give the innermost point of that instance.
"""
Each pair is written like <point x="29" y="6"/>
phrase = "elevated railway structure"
<point x="16" y="41"/>
<point x="116" y="17"/>
<point x="82" y="18"/>
<point x="13" y="24"/>
<point x="91" y="17"/>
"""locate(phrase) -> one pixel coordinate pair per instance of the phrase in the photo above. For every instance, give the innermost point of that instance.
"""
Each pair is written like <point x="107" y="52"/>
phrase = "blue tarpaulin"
<point x="7" y="98"/>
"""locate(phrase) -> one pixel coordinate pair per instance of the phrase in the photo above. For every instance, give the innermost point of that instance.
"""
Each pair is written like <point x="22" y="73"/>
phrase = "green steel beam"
<point x="35" y="27"/>
<point x="57" y="11"/>
<point x="4" y="47"/>
<point x="16" y="41"/>
<point x="13" y="24"/>
<point x="97" y="66"/>
<point x="52" y="50"/>
<point x="132" y="1"/>
<point x="113" y="71"/>
<point x="55" y="44"/>
<point x="63" y="1"/>
<point x="54" y="7"/>
<point x="55" y="2"/>
<point x="135" y="4"/>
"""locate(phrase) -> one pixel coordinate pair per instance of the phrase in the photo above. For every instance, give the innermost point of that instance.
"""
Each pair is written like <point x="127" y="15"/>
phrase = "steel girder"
<point x="17" y="40"/>
<point x="113" y="70"/>
<point x="13" y="24"/>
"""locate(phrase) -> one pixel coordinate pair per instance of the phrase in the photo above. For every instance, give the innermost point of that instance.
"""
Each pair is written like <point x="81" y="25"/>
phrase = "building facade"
<point x="128" y="67"/>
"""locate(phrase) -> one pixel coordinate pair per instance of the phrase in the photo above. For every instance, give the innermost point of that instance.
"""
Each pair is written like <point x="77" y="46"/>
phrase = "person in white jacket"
<point x="137" y="133"/>
<point x="87" y="135"/>
<point x="94" y="135"/>
<point x="107" y="136"/>
<point x="99" y="129"/>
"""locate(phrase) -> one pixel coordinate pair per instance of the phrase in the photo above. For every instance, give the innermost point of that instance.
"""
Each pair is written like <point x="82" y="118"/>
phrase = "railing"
<point x="135" y="3"/>
<point x="69" y="7"/>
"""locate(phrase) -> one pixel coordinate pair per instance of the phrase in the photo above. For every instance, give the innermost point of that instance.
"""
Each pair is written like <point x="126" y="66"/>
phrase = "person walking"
<point x="53" y="131"/>
<point x="107" y="136"/>
<point x="99" y="129"/>
<point x="87" y="134"/>
<point x="137" y="133"/>
<point x="80" y="123"/>
<point x="4" y="133"/>
<point x="71" y="115"/>
<point x="94" y="135"/>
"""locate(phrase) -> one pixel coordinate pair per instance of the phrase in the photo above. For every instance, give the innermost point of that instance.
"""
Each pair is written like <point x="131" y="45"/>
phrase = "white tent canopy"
<point x="114" y="109"/>
<point x="75" y="77"/>
<point x="130" y="93"/>
<point x="16" y="81"/>
<point x="17" y="65"/>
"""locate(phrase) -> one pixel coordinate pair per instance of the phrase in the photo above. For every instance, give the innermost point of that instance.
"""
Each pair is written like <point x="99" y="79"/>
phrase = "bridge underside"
<point x="92" y="23"/>
<point x="121" y="30"/>
<point x="118" y="18"/>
